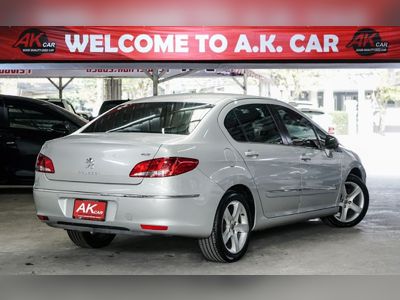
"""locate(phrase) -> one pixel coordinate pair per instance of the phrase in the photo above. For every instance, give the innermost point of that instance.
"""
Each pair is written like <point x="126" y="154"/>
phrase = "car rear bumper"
<point x="185" y="215"/>
<point x="189" y="213"/>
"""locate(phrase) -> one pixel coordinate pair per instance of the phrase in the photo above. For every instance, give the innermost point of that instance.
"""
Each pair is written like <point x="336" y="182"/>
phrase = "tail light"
<point x="164" y="167"/>
<point x="44" y="164"/>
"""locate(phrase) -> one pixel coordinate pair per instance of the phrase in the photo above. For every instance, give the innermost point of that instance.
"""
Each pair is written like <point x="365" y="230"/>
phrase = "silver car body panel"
<point x="284" y="188"/>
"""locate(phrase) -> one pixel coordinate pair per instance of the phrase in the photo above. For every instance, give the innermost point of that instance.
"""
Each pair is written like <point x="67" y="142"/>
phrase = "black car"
<point x="108" y="104"/>
<point x="64" y="104"/>
<point x="25" y="124"/>
<point x="68" y="106"/>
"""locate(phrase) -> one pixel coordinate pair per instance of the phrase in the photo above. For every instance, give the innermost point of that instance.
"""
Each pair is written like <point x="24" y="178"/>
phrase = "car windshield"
<point x="152" y="117"/>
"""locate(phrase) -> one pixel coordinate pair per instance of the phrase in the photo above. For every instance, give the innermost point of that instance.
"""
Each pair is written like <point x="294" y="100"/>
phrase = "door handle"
<point x="10" y="143"/>
<point x="251" y="153"/>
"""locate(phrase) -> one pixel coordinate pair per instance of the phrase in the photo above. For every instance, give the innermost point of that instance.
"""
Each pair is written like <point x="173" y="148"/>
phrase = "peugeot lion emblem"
<point x="89" y="163"/>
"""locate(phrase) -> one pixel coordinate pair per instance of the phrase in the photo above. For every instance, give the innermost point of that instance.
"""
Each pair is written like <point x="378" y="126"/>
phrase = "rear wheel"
<point x="90" y="240"/>
<point x="229" y="239"/>
<point x="353" y="204"/>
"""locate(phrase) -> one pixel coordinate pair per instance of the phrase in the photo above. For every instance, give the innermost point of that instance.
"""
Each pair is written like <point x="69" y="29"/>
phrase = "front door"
<point x="320" y="167"/>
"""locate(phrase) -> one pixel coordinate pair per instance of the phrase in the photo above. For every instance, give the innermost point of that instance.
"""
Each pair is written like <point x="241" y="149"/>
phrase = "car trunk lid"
<point x="104" y="157"/>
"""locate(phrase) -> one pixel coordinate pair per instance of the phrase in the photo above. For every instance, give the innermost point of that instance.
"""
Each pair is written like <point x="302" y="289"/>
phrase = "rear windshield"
<point x="152" y="117"/>
<point x="108" y="105"/>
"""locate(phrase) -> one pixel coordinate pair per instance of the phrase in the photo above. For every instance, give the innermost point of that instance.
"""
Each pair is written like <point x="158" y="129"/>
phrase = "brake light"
<point x="164" y="167"/>
<point x="44" y="164"/>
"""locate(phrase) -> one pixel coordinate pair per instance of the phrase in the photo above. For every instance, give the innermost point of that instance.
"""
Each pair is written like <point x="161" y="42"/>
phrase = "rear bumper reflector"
<point x="153" y="227"/>
<point x="42" y="218"/>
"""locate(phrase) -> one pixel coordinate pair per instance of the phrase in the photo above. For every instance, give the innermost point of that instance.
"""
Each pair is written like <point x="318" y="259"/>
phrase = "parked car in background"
<point x="25" y="125"/>
<point x="85" y="114"/>
<point x="321" y="118"/>
<point x="209" y="166"/>
<point x="68" y="106"/>
<point x="63" y="103"/>
<point x="108" y="104"/>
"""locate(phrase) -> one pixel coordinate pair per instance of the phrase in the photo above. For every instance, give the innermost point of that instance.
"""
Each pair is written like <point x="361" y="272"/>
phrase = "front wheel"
<point x="85" y="239"/>
<point x="353" y="204"/>
<point x="229" y="239"/>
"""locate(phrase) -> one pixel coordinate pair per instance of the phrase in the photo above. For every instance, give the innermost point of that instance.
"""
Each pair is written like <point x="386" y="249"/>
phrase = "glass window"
<point x="152" y="117"/>
<point x="252" y="123"/>
<point x="321" y="136"/>
<point x="299" y="128"/>
<point x="27" y="117"/>
<point x="69" y="107"/>
<point x="231" y="123"/>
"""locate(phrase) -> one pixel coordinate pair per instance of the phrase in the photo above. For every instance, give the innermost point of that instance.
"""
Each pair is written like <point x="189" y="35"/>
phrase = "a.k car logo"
<point x="34" y="42"/>
<point x="367" y="42"/>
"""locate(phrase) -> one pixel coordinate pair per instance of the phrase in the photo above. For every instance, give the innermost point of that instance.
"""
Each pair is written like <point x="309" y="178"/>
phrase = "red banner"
<point x="198" y="44"/>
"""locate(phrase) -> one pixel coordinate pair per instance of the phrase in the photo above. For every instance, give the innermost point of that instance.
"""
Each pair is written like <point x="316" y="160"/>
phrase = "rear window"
<point x="108" y="105"/>
<point x="152" y="117"/>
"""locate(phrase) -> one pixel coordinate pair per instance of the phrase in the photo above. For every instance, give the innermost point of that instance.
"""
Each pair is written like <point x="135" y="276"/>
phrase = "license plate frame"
<point x="93" y="210"/>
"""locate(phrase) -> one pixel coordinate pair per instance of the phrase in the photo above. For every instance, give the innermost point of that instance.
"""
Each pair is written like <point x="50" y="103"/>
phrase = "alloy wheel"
<point x="351" y="204"/>
<point x="235" y="227"/>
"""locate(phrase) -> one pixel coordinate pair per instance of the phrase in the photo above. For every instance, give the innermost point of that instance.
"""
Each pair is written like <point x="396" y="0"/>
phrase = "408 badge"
<point x="367" y="41"/>
<point x="34" y="42"/>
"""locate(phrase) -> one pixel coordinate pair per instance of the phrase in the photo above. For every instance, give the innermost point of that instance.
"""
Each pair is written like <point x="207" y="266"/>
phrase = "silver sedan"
<point x="210" y="166"/>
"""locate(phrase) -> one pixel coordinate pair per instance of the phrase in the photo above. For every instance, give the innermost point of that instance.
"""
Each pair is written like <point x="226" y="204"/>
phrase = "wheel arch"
<point x="357" y="172"/>
<point x="245" y="191"/>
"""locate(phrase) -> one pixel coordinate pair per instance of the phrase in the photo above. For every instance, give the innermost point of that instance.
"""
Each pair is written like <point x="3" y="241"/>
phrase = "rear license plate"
<point x="90" y="210"/>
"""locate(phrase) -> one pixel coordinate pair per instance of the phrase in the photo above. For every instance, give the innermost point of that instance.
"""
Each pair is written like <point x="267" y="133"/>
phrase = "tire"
<point x="85" y="239"/>
<point x="213" y="248"/>
<point x="360" y="201"/>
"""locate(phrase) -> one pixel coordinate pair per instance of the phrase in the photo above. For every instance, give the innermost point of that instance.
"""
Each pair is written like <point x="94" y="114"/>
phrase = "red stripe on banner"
<point x="225" y="43"/>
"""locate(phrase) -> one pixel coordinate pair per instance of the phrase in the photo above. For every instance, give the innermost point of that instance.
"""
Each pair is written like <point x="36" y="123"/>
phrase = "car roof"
<point x="206" y="98"/>
<point x="45" y="103"/>
<point x="311" y="110"/>
<point x="116" y="100"/>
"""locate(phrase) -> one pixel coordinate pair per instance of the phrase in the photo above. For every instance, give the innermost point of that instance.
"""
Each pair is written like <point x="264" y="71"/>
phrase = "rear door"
<point x="320" y="168"/>
<point x="252" y="131"/>
<point x="27" y="127"/>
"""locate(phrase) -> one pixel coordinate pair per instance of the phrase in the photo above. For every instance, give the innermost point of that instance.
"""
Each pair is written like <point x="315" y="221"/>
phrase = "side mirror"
<point x="60" y="128"/>
<point x="331" y="142"/>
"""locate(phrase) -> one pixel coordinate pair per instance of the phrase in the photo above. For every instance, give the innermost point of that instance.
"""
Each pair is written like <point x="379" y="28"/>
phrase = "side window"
<point x="252" y="123"/>
<point x="299" y="128"/>
<point x="27" y="117"/>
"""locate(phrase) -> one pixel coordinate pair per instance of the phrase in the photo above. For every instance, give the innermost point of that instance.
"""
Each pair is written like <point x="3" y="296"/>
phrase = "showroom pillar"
<point x="113" y="88"/>
<point x="60" y="86"/>
<point x="243" y="84"/>
<point x="156" y="76"/>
